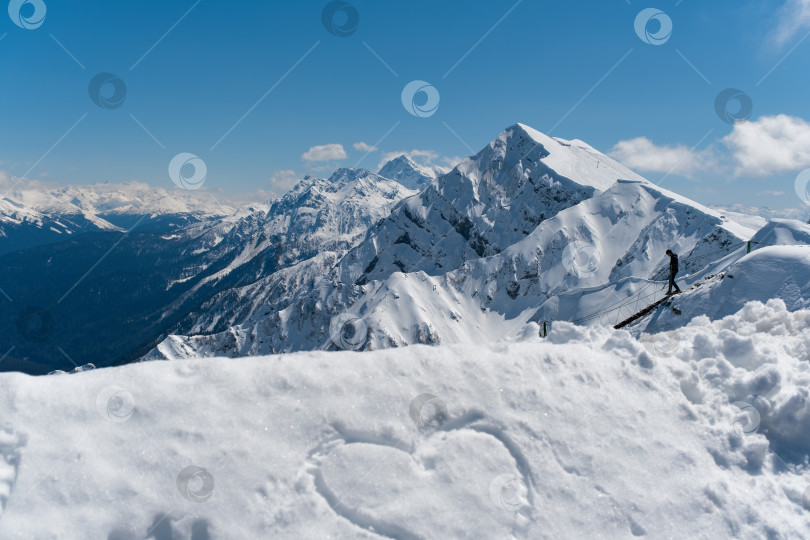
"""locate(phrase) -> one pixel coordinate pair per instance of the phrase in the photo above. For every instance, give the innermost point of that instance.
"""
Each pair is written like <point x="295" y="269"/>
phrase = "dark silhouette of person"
<point x="673" y="270"/>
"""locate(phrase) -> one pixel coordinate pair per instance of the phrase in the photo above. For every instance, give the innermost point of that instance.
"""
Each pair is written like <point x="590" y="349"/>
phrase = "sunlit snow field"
<point x="703" y="433"/>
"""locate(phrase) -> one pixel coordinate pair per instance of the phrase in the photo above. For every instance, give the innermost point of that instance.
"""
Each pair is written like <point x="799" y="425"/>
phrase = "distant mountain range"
<point x="34" y="213"/>
<point x="127" y="263"/>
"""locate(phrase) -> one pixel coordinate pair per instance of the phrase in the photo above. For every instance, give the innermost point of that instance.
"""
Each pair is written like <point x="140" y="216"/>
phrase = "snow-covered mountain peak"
<point x="346" y="175"/>
<point x="331" y="213"/>
<point x="547" y="140"/>
<point x="521" y="152"/>
<point x="409" y="173"/>
<point x="343" y="185"/>
<point x="486" y="203"/>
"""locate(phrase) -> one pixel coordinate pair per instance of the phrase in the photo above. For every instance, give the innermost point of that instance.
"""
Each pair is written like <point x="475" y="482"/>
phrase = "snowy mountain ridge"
<point x="304" y="233"/>
<point x="332" y="213"/>
<point x="531" y="228"/>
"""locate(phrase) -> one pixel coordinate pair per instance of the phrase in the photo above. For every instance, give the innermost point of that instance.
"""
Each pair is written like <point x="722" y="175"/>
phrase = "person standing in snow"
<point x="673" y="270"/>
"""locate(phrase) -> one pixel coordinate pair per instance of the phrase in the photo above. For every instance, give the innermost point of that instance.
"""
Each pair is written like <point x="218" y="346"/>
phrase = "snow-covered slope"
<point x="777" y="267"/>
<point x="316" y="217"/>
<point x="531" y="228"/>
<point x="747" y="220"/>
<point x="771" y="272"/>
<point x="308" y="231"/>
<point x="782" y="232"/>
<point x="587" y="434"/>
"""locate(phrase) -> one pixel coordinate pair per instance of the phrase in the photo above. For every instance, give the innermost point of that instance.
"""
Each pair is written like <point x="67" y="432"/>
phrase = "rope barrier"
<point x="658" y="277"/>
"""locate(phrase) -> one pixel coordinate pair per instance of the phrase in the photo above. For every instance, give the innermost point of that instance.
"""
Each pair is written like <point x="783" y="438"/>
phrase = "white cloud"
<point x="427" y="156"/>
<point x="283" y="181"/>
<point x="644" y="155"/>
<point x="765" y="212"/>
<point x="450" y="162"/>
<point x="363" y="147"/>
<point x="326" y="152"/>
<point x="769" y="145"/>
<point x="794" y="17"/>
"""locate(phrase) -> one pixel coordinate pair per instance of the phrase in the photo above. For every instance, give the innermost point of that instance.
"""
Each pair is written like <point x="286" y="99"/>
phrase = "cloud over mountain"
<point x="326" y="152"/>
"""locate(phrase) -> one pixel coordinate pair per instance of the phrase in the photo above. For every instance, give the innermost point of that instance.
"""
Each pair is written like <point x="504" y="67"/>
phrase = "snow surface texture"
<point x="587" y="434"/>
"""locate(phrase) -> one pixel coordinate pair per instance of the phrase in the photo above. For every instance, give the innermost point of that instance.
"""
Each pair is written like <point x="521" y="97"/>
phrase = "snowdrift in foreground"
<point x="590" y="433"/>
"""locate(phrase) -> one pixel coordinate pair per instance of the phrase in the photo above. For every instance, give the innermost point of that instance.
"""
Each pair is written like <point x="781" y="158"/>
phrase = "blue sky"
<point x="579" y="69"/>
